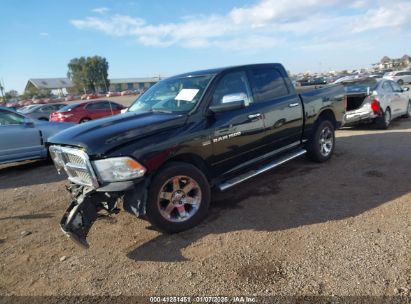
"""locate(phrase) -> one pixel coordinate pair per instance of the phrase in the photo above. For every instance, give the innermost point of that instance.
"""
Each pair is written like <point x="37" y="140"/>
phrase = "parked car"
<point x="377" y="76"/>
<point x="41" y="112"/>
<point x="89" y="96"/>
<point x="379" y="102"/>
<point x="188" y="133"/>
<point x="92" y="96"/>
<point x="112" y="94"/>
<point x="23" y="138"/>
<point x="69" y="98"/>
<point x="127" y="92"/>
<point x="312" y="81"/>
<point x="86" y="111"/>
<point x="401" y="77"/>
<point x="26" y="108"/>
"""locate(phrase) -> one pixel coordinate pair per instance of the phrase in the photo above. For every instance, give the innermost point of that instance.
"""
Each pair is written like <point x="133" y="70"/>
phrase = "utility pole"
<point x="2" y="91"/>
<point x="104" y="80"/>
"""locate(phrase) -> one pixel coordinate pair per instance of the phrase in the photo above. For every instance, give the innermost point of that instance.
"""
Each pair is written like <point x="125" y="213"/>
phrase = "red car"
<point x="89" y="96"/>
<point x="86" y="111"/>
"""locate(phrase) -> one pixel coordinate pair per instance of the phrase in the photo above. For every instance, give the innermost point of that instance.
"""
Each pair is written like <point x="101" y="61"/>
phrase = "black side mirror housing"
<point x="230" y="106"/>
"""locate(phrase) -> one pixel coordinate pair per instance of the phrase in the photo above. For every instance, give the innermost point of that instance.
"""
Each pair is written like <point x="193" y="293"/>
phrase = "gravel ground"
<point x="339" y="228"/>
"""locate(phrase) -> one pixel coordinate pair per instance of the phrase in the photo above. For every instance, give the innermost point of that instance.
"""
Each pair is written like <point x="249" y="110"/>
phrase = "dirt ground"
<point x="338" y="228"/>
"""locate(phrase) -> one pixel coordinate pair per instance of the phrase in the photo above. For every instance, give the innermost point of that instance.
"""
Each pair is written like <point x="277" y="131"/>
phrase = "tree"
<point x="11" y="94"/>
<point x="385" y="59"/>
<point x="89" y="73"/>
<point x="34" y="92"/>
<point x="76" y="72"/>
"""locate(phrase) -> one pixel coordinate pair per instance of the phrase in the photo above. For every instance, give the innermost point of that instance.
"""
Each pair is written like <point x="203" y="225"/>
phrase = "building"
<point x="122" y="84"/>
<point x="396" y="63"/>
<point x="61" y="86"/>
<point x="58" y="86"/>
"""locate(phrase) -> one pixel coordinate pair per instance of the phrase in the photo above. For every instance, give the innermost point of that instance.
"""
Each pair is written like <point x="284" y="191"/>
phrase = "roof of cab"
<point x="223" y="69"/>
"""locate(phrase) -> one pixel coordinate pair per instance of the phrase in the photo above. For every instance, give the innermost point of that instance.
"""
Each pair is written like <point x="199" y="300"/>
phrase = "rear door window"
<point x="99" y="106"/>
<point x="386" y="86"/>
<point x="268" y="84"/>
<point x="47" y="109"/>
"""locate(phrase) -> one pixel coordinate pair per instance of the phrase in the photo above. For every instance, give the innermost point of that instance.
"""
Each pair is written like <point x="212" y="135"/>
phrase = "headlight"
<point x="119" y="169"/>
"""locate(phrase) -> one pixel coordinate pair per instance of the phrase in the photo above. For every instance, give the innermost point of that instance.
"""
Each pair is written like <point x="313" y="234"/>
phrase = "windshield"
<point x="68" y="107"/>
<point x="177" y="94"/>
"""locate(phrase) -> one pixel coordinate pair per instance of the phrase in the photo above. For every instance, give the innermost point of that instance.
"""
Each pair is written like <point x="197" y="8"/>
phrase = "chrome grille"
<point x="75" y="163"/>
<point x="74" y="159"/>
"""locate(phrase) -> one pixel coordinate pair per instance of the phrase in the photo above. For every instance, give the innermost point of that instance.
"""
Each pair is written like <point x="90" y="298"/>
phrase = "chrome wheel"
<point x="326" y="141"/>
<point x="179" y="198"/>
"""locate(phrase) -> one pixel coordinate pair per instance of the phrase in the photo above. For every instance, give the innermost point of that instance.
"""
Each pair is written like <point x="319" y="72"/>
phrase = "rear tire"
<point x="400" y="82"/>
<point x="322" y="143"/>
<point x="384" y="121"/>
<point x="178" y="198"/>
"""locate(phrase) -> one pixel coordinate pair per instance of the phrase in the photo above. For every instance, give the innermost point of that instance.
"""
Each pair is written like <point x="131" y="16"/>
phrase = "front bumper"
<point x="89" y="195"/>
<point x="87" y="202"/>
<point x="83" y="212"/>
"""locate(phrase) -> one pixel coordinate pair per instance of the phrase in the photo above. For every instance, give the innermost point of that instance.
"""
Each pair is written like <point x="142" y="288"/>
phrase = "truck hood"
<point x="103" y="135"/>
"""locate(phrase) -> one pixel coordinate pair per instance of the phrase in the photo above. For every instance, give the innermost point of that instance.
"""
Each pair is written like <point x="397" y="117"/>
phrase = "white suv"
<point x="400" y="77"/>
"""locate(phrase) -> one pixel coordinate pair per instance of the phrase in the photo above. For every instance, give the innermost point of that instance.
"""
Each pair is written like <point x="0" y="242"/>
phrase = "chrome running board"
<point x="243" y="177"/>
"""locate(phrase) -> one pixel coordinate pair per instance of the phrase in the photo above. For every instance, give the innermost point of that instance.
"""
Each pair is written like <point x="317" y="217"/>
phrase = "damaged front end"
<point x="83" y="211"/>
<point x="97" y="187"/>
<point x="88" y="205"/>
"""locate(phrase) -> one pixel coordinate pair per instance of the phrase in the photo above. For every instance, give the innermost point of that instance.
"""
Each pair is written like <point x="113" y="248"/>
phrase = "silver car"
<point x="369" y="100"/>
<point x="401" y="77"/>
<point x="23" y="138"/>
<point x="40" y="111"/>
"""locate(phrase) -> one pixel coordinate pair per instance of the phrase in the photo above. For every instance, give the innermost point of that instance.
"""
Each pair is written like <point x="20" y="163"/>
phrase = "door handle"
<point x="256" y="115"/>
<point x="292" y="105"/>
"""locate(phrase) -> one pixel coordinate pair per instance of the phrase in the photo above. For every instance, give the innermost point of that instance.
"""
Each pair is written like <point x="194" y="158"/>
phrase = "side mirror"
<point x="405" y="89"/>
<point x="224" y="107"/>
<point x="28" y="123"/>
<point x="236" y="97"/>
<point x="231" y="102"/>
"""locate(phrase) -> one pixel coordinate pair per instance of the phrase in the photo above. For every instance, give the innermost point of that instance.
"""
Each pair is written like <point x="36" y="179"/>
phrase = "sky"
<point x="143" y="38"/>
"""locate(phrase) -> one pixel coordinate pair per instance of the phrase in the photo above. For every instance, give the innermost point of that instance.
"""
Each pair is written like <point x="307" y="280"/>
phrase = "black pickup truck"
<point x="187" y="134"/>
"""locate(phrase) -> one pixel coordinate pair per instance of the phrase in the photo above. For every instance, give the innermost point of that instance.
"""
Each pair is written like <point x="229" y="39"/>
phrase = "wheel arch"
<point x="327" y="114"/>
<point x="189" y="158"/>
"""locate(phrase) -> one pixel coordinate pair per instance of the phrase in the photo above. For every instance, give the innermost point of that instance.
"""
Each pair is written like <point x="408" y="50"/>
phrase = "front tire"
<point x="178" y="198"/>
<point x="400" y="82"/>
<point x="321" y="145"/>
